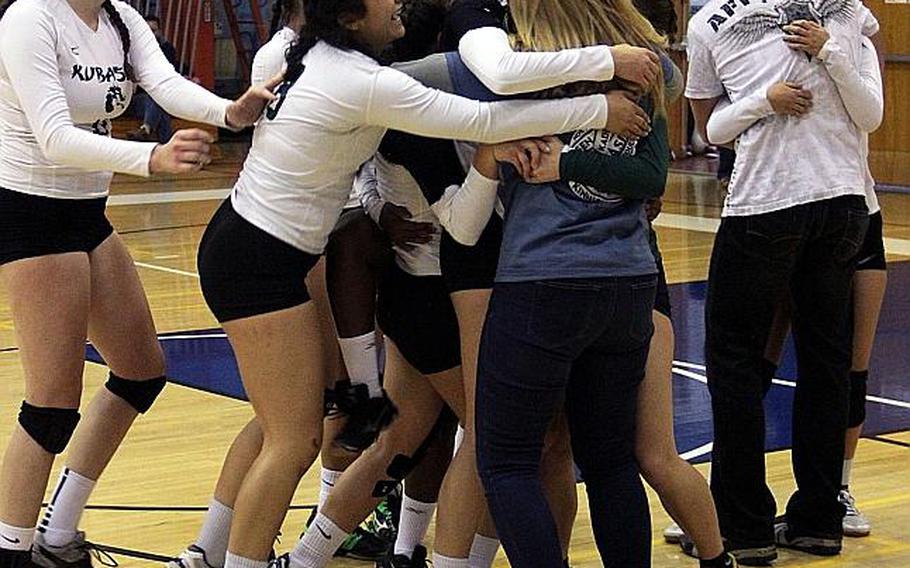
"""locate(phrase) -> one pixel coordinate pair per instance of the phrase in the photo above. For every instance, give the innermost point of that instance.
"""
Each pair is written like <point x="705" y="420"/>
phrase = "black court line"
<point x="141" y="555"/>
<point x="884" y="440"/>
<point x="9" y="350"/>
<point x="154" y="229"/>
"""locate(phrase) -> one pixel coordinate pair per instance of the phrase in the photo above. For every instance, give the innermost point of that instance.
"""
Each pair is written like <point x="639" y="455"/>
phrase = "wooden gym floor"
<point x="172" y="456"/>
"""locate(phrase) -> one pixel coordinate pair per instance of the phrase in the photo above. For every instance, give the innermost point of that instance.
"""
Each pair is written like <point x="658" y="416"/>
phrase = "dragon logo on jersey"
<point x="766" y="19"/>
<point x="102" y="127"/>
<point x="114" y="100"/>
<point x="604" y="142"/>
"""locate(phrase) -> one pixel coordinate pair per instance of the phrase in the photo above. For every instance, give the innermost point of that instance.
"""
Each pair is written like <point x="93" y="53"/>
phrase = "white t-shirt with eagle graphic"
<point x="736" y="47"/>
<point x="61" y="83"/>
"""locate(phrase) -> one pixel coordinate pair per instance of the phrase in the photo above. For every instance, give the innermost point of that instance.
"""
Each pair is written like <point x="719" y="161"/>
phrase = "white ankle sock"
<point x="361" y="359"/>
<point x="16" y="538"/>
<point x="483" y="551"/>
<point x="234" y="561"/>
<point x="845" y="476"/>
<point x="327" y="480"/>
<point x="61" y="519"/>
<point x="413" y="525"/>
<point x="318" y="544"/>
<point x="440" y="561"/>
<point x="215" y="532"/>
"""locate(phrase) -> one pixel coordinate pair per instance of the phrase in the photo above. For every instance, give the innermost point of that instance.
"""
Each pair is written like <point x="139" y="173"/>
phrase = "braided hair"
<point x="125" y="40"/>
<point x="323" y="23"/>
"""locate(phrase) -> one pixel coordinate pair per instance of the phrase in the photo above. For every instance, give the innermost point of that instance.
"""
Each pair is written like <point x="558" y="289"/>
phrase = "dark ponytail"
<point x="6" y="7"/>
<point x="277" y="14"/>
<point x="323" y="23"/>
<point x="114" y="16"/>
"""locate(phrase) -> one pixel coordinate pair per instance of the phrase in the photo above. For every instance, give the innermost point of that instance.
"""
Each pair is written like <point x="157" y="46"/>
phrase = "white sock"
<point x="61" y="519"/>
<point x="318" y="544"/>
<point x="234" y="561"/>
<point x="845" y="476"/>
<point x="327" y="480"/>
<point x="361" y="359"/>
<point x="413" y="525"/>
<point x="16" y="538"/>
<point x="215" y="532"/>
<point x="440" y="561"/>
<point x="483" y="551"/>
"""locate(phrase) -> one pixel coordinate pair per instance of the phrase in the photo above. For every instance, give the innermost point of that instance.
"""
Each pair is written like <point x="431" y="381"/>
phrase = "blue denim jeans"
<point x="581" y="343"/>
<point x="804" y="255"/>
<point x="154" y="117"/>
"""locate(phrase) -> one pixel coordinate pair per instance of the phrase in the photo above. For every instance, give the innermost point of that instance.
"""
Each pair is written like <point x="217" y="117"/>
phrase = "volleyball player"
<point x="788" y="229"/>
<point x="66" y="69"/>
<point x="264" y="240"/>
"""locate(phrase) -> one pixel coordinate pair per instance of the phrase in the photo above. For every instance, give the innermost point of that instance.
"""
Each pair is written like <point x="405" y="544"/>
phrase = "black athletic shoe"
<point x="417" y="560"/>
<point x="16" y="559"/>
<point x="744" y="555"/>
<point x="367" y="418"/>
<point x="76" y="554"/>
<point x="787" y="536"/>
<point x="362" y="545"/>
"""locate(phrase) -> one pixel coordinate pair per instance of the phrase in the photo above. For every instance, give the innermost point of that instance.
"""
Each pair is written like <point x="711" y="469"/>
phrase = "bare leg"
<point x="282" y="371"/>
<point x="681" y="488"/>
<point x="50" y="298"/>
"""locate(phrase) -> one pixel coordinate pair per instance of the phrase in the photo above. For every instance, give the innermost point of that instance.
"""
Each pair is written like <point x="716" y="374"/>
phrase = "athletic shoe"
<point x="362" y="545"/>
<point x="856" y="524"/>
<point x="418" y="559"/>
<point x="756" y="556"/>
<point x="673" y="533"/>
<point x="383" y="522"/>
<point x="359" y="545"/>
<point x="16" y="559"/>
<point x="283" y="561"/>
<point x="192" y="557"/>
<point x="816" y="544"/>
<point x="76" y="554"/>
<point x="366" y="419"/>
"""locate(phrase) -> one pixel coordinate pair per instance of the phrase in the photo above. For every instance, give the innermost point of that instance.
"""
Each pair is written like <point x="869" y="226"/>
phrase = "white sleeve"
<point x="729" y="120"/>
<point x="870" y="22"/>
<point x="399" y="102"/>
<point x="367" y="189"/>
<point x="465" y="211"/>
<point x="702" y="81"/>
<point x="489" y="55"/>
<point x="28" y="49"/>
<point x="177" y="95"/>
<point x="860" y="90"/>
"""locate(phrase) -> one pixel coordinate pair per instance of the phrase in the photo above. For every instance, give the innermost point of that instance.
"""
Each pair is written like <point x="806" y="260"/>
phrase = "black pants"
<point x="804" y="254"/>
<point x="583" y="343"/>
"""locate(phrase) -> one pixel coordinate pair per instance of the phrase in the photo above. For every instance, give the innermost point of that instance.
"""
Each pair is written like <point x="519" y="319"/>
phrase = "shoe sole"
<point x="764" y="556"/>
<point x="813" y="545"/>
<point x="856" y="533"/>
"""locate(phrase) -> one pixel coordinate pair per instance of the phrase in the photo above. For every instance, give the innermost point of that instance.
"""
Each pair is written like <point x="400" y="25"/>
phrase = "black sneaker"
<point x="76" y="554"/>
<point x="787" y="536"/>
<point x="747" y="556"/>
<point x="366" y="419"/>
<point x="418" y="559"/>
<point x="16" y="559"/>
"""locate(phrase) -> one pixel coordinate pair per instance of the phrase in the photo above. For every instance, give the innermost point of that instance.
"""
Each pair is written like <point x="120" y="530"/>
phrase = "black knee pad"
<point x="400" y="467"/>
<point x="51" y="428"/>
<point x="857" y="408"/>
<point x="138" y="394"/>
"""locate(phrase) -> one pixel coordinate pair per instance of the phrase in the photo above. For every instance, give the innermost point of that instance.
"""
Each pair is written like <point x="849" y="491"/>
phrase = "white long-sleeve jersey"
<point x="319" y="132"/>
<point x="61" y="83"/>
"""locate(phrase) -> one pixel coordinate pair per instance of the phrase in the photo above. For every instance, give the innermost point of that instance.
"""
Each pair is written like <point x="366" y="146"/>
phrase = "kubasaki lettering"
<point x="88" y="74"/>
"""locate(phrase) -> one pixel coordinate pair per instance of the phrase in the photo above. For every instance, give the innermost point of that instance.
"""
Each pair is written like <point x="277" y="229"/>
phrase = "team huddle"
<point x="438" y="274"/>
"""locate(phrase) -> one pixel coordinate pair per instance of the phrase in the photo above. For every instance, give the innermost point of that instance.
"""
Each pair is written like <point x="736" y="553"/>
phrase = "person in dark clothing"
<point x="156" y="123"/>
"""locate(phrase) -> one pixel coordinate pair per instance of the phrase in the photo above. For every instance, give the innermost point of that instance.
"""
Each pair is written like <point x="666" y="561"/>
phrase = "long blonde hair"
<point x="552" y="25"/>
